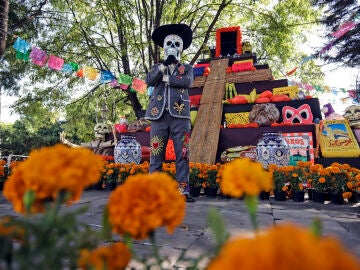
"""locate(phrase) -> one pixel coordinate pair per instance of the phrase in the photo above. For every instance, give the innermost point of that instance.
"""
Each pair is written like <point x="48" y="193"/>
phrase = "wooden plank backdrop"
<point x="237" y="77"/>
<point x="205" y="135"/>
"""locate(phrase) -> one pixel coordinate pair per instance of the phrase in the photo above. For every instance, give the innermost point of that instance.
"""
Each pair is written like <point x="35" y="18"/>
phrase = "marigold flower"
<point x="274" y="249"/>
<point x="145" y="202"/>
<point x="49" y="170"/>
<point x="349" y="185"/>
<point x="8" y="229"/>
<point x="245" y="176"/>
<point x="322" y="180"/>
<point x="113" y="257"/>
<point x="347" y="195"/>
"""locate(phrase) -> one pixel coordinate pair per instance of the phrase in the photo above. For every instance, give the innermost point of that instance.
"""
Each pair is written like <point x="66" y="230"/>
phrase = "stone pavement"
<point x="194" y="236"/>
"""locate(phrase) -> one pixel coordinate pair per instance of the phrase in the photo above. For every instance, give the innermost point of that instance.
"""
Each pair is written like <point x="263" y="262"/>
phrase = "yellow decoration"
<point x="91" y="73"/>
<point x="337" y="139"/>
<point x="244" y="61"/>
<point x="193" y="115"/>
<point x="291" y="91"/>
<point x="252" y="96"/>
<point x="237" y="118"/>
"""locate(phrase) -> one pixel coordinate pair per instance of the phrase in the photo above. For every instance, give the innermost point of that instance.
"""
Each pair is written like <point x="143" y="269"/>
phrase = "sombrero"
<point x="182" y="30"/>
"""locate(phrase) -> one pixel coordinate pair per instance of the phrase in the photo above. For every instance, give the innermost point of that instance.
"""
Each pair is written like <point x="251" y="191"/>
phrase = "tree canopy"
<point x="337" y="14"/>
<point x="116" y="36"/>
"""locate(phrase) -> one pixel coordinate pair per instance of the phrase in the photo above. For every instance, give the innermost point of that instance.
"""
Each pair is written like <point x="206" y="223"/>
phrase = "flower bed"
<point x="44" y="237"/>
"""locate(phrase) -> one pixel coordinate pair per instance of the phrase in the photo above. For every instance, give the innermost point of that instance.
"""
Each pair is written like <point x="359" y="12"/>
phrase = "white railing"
<point x="11" y="158"/>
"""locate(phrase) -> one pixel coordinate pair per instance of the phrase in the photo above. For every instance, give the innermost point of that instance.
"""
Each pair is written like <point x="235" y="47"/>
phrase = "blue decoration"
<point x="21" y="45"/>
<point x="106" y="76"/>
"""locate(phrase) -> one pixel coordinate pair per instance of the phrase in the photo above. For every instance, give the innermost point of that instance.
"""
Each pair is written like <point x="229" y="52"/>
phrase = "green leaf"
<point x="218" y="228"/>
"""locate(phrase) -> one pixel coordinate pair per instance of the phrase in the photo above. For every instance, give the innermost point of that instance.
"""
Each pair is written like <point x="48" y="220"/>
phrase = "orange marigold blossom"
<point x="244" y="176"/>
<point x="8" y="229"/>
<point x="145" y="202"/>
<point x="347" y="195"/>
<point x="322" y="180"/>
<point x="49" y="170"/>
<point x="273" y="249"/>
<point x="112" y="257"/>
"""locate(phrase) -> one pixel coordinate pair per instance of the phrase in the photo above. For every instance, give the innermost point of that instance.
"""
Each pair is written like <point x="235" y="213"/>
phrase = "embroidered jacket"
<point x="172" y="96"/>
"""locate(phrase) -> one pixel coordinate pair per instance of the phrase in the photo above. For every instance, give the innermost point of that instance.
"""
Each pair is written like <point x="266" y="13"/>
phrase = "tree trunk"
<point x="3" y="25"/>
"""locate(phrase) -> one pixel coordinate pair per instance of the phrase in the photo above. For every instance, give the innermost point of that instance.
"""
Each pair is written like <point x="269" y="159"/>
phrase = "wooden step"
<point x="237" y="77"/>
<point x="205" y="134"/>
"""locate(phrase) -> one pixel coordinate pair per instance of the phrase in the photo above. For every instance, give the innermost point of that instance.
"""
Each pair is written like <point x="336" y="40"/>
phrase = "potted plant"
<point x="338" y="178"/>
<point x="353" y="186"/>
<point x="297" y="184"/>
<point x="211" y="184"/>
<point x="195" y="179"/>
<point x="110" y="175"/>
<point x="318" y="179"/>
<point x="280" y="177"/>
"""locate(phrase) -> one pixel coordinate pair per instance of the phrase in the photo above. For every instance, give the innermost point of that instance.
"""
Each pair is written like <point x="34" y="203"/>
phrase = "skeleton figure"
<point x="98" y="145"/>
<point x="169" y="106"/>
<point x="352" y="114"/>
<point x="173" y="45"/>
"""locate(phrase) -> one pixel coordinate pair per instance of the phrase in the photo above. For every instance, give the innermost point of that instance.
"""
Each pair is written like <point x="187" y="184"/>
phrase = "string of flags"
<point x="326" y="89"/>
<point x="39" y="57"/>
<point x="343" y="29"/>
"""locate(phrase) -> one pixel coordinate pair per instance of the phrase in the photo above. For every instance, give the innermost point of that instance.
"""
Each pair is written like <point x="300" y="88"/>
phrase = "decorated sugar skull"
<point x="101" y="129"/>
<point x="174" y="38"/>
<point x="352" y="114"/>
<point x="173" y="45"/>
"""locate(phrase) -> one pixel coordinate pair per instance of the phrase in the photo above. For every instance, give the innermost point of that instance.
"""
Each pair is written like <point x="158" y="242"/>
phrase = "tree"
<point x="16" y="139"/>
<point x="4" y="4"/>
<point x="346" y="48"/>
<point x="116" y="36"/>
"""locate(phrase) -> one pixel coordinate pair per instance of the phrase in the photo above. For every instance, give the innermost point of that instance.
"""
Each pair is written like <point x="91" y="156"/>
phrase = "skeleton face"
<point x="101" y="129"/>
<point x="352" y="114"/>
<point x="173" y="45"/>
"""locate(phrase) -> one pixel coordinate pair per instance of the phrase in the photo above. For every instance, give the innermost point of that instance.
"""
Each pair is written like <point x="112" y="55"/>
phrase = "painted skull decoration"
<point x="173" y="45"/>
<point x="101" y="129"/>
<point x="301" y="115"/>
<point x="352" y="114"/>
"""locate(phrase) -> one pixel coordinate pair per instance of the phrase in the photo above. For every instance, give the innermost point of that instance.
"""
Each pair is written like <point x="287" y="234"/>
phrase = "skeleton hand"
<point x="165" y="78"/>
<point x="65" y="141"/>
<point x="162" y="68"/>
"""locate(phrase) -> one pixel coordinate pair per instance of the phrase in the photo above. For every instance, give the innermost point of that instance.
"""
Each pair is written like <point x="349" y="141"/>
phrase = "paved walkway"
<point x="194" y="236"/>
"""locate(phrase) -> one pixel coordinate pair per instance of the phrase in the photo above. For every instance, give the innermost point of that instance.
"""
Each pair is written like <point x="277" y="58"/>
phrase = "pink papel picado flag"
<point x="55" y="62"/>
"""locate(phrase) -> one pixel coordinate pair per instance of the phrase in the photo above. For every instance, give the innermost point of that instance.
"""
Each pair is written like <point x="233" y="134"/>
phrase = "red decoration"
<point x="170" y="152"/>
<point x="80" y="73"/>
<point x="226" y="30"/>
<point x="195" y="100"/>
<point x="121" y="128"/>
<point x="301" y="115"/>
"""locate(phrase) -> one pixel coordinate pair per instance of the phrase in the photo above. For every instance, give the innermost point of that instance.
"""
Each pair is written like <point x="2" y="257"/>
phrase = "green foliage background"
<point x="116" y="36"/>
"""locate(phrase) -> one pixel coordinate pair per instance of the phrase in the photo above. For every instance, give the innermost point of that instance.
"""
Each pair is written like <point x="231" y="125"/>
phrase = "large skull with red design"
<point x="352" y="114"/>
<point x="173" y="45"/>
<point x="101" y="129"/>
